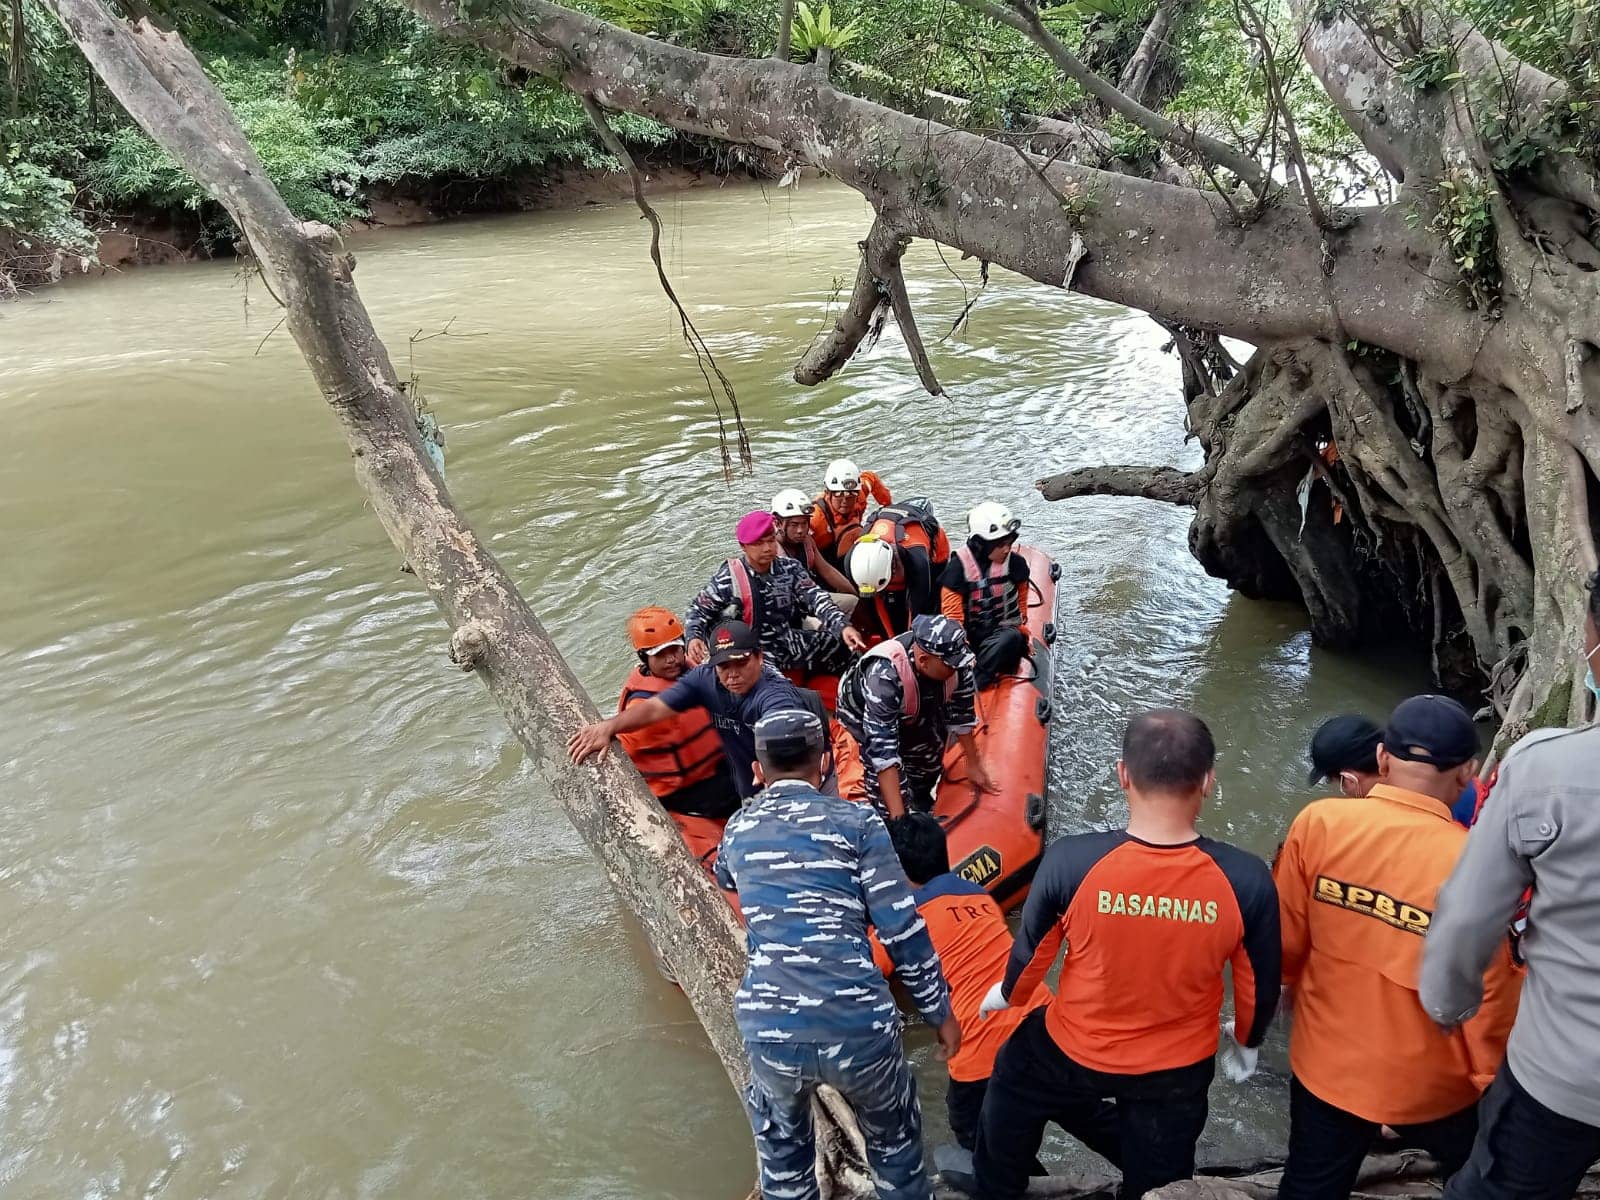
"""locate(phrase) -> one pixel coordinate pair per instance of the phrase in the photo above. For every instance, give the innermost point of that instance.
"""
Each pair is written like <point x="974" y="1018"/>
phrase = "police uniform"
<point x="1540" y="827"/>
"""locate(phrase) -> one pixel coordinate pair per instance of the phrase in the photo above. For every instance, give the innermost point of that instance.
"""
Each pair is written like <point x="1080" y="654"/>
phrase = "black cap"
<point x="1344" y="743"/>
<point x="789" y="733"/>
<point x="732" y="639"/>
<point x="1431" y="729"/>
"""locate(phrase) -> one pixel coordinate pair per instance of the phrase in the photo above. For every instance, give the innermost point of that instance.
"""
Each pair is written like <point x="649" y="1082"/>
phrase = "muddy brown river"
<point x="284" y="912"/>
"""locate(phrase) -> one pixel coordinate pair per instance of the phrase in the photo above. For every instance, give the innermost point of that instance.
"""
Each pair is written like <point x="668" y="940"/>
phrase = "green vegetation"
<point x="404" y="111"/>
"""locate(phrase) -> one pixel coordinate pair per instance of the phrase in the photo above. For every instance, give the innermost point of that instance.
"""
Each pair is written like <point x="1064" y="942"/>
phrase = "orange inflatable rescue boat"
<point x="996" y="840"/>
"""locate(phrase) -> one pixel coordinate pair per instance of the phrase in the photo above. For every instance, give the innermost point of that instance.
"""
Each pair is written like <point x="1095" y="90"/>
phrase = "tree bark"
<point x="338" y="18"/>
<point x="1167" y="484"/>
<point x="1134" y="82"/>
<point x="1168" y="250"/>
<point x="785" y="31"/>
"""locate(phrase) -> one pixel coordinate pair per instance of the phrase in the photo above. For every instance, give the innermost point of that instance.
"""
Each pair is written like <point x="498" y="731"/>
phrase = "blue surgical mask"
<point x="1594" y="687"/>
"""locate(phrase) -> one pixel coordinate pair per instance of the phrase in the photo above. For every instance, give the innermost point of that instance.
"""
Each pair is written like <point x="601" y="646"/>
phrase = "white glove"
<point x="994" y="1000"/>
<point x="1238" y="1063"/>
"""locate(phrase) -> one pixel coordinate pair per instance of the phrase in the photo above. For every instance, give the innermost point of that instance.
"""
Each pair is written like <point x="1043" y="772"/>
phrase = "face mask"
<point x="1588" y="676"/>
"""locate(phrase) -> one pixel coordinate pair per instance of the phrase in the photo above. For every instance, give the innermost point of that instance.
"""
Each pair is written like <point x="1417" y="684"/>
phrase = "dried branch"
<point x="863" y="316"/>
<point x="704" y="359"/>
<point x="1167" y="484"/>
<point x="1026" y="21"/>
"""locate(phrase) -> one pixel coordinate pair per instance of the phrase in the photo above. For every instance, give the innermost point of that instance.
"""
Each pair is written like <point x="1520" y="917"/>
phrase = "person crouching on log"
<point x="773" y="595"/>
<point x="1149" y="916"/>
<point x="813" y="872"/>
<point x="902" y="702"/>
<point x="985" y="587"/>
<point x="1359" y="880"/>
<point x="970" y="935"/>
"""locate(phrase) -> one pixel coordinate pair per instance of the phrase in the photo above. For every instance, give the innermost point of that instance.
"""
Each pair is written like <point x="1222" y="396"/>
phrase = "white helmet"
<point x="792" y="502"/>
<point x="992" y="522"/>
<point x="843" y="476"/>
<point x="871" y="564"/>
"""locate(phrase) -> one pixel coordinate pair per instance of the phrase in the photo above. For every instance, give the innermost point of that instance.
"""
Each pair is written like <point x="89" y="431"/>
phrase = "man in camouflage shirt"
<point x="777" y="597"/>
<point x="902" y="702"/>
<point x="813" y="873"/>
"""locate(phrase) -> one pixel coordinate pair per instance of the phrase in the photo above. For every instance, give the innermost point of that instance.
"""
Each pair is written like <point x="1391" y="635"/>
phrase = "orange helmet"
<point x="653" y="628"/>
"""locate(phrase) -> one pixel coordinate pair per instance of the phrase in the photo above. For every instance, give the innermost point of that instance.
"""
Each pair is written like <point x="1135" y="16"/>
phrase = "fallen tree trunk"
<point x="494" y="632"/>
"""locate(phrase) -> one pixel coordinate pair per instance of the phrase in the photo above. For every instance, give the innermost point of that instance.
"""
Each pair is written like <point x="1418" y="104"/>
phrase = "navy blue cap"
<point x="1431" y="729"/>
<point x="789" y="733"/>
<point x="944" y="639"/>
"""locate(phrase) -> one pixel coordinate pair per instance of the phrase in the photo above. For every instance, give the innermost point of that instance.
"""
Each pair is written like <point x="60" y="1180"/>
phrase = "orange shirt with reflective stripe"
<point x="969" y="932"/>
<point x="1357" y="882"/>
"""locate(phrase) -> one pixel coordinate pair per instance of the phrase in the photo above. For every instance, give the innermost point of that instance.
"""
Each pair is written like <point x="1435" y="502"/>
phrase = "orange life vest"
<point x="673" y="754"/>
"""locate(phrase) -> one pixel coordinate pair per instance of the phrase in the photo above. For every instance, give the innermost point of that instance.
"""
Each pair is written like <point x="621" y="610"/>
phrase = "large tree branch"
<point x="1167" y="484"/>
<point x="1157" y="247"/>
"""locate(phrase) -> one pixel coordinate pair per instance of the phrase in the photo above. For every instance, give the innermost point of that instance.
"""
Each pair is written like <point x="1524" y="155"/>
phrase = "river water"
<point x="284" y="913"/>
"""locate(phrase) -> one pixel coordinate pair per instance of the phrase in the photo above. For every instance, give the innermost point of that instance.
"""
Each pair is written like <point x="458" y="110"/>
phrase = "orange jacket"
<point x="826" y="528"/>
<point x="969" y="932"/>
<point x="1357" y="881"/>
<point x="672" y="754"/>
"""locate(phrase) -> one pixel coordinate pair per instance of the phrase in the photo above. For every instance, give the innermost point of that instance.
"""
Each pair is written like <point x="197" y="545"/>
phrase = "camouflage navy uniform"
<point x="783" y="597"/>
<point x="871" y="709"/>
<point x="813" y="872"/>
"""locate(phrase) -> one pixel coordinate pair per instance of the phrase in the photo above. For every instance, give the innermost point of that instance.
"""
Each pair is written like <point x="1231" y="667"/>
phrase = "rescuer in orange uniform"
<point x="847" y="490"/>
<point x="1149" y="915"/>
<point x="895" y="567"/>
<point x="969" y="933"/>
<point x="681" y="757"/>
<point x="1357" y="880"/>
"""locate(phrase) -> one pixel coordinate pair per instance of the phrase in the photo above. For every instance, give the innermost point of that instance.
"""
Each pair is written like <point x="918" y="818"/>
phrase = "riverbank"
<point x="151" y="237"/>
